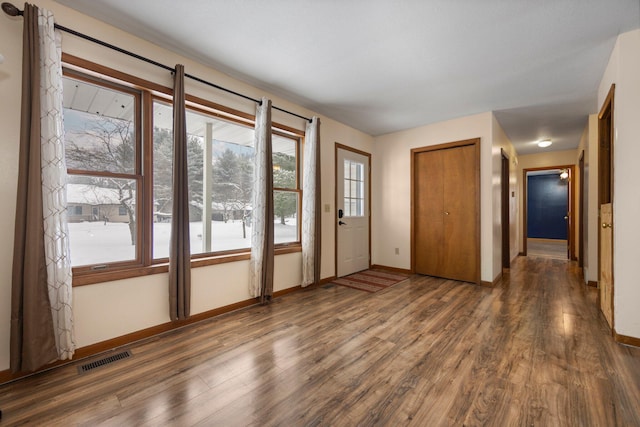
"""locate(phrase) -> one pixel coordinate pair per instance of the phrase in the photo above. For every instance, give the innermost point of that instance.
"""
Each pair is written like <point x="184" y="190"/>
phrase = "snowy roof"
<point x="92" y="195"/>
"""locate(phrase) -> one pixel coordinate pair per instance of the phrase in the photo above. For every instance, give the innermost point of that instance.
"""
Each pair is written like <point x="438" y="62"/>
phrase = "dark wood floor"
<point x="533" y="351"/>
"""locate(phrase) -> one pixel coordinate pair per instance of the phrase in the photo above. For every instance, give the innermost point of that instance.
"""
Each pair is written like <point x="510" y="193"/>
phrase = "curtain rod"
<point x="11" y="10"/>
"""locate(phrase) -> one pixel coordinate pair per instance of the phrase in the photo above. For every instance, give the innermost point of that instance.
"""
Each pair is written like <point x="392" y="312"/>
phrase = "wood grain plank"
<point x="534" y="350"/>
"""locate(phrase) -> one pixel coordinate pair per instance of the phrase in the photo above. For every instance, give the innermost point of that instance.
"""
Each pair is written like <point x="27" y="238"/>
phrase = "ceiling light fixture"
<point x="544" y="143"/>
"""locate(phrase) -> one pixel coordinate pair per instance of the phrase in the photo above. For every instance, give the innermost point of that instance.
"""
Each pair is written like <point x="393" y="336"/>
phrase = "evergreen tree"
<point x="285" y="203"/>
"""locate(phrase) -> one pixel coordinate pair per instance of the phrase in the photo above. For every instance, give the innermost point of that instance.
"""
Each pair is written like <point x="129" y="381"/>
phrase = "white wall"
<point x="540" y="160"/>
<point x="624" y="70"/>
<point x="108" y="310"/>
<point x="391" y="188"/>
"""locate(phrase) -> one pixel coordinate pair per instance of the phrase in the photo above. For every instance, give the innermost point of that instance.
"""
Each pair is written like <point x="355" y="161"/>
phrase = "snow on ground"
<point x="97" y="242"/>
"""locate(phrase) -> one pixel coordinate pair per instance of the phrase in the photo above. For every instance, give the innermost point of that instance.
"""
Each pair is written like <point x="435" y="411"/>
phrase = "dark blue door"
<point x="547" y="206"/>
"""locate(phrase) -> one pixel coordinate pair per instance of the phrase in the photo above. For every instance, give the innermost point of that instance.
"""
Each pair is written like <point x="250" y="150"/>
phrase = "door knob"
<point x="446" y="213"/>
<point x="566" y="217"/>
<point x="342" y="223"/>
<point x="605" y="225"/>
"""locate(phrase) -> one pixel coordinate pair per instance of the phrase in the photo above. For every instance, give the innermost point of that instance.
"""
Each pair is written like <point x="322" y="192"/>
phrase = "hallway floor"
<point x="548" y="248"/>
<point x="533" y="351"/>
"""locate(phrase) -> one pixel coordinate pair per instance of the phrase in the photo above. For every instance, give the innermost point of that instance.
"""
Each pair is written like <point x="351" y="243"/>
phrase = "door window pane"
<point x="353" y="188"/>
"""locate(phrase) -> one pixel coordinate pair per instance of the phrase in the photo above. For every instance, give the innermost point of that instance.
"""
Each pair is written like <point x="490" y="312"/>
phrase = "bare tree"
<point x="106" y="145"/>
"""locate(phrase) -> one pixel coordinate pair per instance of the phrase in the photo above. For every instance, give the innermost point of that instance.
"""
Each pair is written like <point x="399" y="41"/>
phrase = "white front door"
<point x="352" y="211"/>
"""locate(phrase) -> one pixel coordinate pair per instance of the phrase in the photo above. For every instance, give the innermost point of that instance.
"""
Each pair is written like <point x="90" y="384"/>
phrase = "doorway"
<point x="506" y="222"/>
<point x="353" y="231"/>
<point x="605" y="202"/>
<point x="548" y="224"/>
<point x="582" y="203"/>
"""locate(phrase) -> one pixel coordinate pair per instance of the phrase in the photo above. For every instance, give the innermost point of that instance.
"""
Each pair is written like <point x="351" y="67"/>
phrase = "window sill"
<point x="90" y="278"/>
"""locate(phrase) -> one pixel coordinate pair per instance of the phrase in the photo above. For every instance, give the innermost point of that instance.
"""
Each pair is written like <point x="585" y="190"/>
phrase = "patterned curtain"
<point x="41" y="316"/>
<point x="54" y="187"/>
<point x="179" y="250"/>
<point x="262" y="253"/>
<point x="311" y="205"/>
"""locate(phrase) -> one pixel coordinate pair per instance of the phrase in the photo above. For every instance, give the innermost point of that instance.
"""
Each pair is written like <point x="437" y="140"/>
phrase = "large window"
<point x="286" y="195"/>
<point x="119" y="149"/>
<point x="220" y="162"/>
<point x="102" y="153"/>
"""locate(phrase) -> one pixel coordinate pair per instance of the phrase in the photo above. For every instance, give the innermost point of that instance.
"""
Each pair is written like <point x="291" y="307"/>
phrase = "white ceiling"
<point x="100" y="101"/>
<point x="387" y="65"/>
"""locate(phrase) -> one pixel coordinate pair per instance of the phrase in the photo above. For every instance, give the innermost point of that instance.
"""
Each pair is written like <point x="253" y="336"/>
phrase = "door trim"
<point x="607" y="114"/>
<point x="505" y="210"/>
<point x="581" y="211"/>
<point x="476" y="143"/>
<point x="572" y="204"/>
<point x="339" y="146"/>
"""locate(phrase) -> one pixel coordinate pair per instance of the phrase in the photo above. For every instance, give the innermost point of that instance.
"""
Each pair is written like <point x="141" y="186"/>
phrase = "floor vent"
<point x="87" y="367"/>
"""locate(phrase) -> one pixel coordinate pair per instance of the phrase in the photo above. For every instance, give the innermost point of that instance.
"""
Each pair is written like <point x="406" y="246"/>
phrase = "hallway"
<point x="532" y="351"/>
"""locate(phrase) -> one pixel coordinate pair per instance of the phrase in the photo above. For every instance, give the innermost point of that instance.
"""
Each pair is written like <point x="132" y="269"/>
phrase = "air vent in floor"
<point x="82" y="369"/>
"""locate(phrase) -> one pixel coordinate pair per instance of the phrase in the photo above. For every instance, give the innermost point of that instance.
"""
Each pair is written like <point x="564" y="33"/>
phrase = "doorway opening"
<point x="548" y="225"/>
<point x="605" y="202"/>
<point x="505" y="208"/>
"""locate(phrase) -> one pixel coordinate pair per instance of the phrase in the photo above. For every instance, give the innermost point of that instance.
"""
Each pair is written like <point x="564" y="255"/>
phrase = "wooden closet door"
<point x="460" y="224"/>
<point x="446" y="210"/>
<point x="428" y="214"/>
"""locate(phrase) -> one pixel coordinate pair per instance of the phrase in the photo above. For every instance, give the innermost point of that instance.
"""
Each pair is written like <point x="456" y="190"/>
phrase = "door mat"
<point x="371" y="280"/>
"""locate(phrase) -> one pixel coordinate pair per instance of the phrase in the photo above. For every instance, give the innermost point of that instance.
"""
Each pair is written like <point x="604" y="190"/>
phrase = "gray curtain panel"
<point x="179" y="251"/>
<point x="262" y="247"/>
<point x="32" y="332"/>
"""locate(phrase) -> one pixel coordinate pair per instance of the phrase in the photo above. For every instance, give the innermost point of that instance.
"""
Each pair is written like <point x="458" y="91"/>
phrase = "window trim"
<point x="137" y="174"/>
<point x="148" y="91"/>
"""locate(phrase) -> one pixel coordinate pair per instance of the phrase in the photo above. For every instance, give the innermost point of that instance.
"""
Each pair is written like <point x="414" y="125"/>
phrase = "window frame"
<point x="137" y="174"/>
<point x="297" y="190"/>
<point x="149" y="92"/>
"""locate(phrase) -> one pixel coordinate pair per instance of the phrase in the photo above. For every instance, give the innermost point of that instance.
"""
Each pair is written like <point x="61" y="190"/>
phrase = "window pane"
<point x="162" y="177"/>
<point x="232" y="185"/>
<point x="354" y="171"/>
<point x="354" y="189"/>
<point x="219" y="210"/>
<point x="106" y="229"/>
<point x="285" y="206"/>
<point x="347" y="207"/>
<point x="359" y="172"/>
<point x="99" y="127"/>
<point x="284" y="162"/>
<point x="347" y="169"/>
<point x="360" y="208"/>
